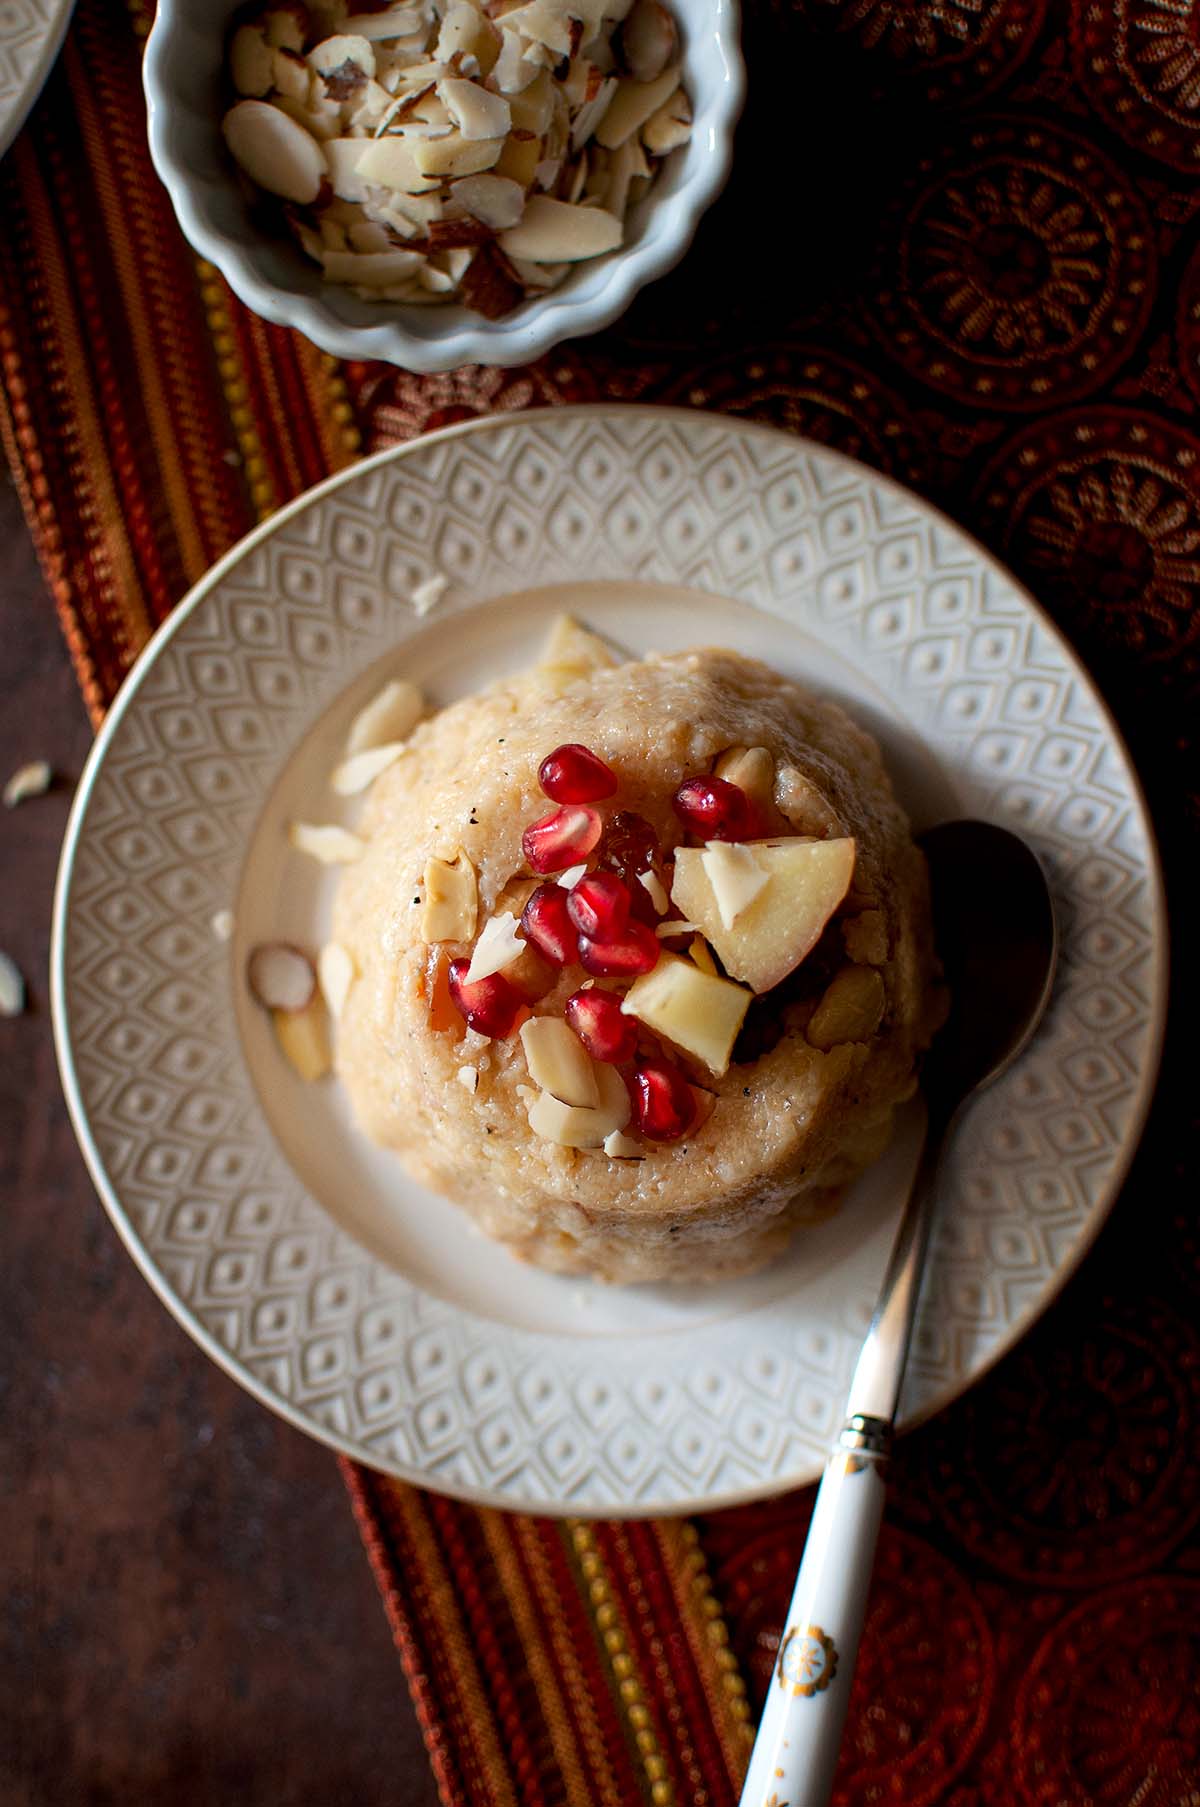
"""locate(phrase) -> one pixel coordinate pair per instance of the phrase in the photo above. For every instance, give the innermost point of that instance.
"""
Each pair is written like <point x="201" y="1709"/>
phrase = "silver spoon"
<point x="996" y="935"/>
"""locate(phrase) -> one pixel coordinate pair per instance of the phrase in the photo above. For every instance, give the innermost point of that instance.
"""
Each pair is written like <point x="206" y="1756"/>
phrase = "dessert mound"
<point x="660" y="1066"/>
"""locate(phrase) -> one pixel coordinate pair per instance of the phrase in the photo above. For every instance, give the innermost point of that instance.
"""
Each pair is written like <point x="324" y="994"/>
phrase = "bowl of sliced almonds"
<point x="442" y="182"/>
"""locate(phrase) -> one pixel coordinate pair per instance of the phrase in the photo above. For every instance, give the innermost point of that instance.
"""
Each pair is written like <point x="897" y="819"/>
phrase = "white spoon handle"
<point x="796" y="1751"/>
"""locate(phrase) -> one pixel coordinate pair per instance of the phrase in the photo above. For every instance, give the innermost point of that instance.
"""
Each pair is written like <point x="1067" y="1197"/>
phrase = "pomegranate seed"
<point x="717" y="810"/>
<point x="662" y="1101"/>
<point x="574" y="774"/>
<point x="596" y="1018"/>
<point x="546" y="923"/>
<point x="635" y="950"/>
<point x="599" y="906"/>
<point x="562" y="838"/>
<point x="629" y="847"/>
<point x="490" y="1006"/>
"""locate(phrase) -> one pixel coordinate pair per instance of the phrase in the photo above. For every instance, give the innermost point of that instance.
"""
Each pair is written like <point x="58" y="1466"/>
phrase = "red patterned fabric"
<point x="962" y="243"/>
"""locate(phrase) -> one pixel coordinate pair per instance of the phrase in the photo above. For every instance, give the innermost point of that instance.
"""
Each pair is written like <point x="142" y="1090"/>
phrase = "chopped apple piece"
<point x="303" y="1036"/>
<point x="736" y="876"/>
<point x="807" y="880"/>
<point x="700" y="954"/>
<point x="451" y="900"/>
<point x="559" y="1062"/>
<point x="578" y="1126"/>
<point x="699" y="1013"/>
<point x="851" y="1009"/>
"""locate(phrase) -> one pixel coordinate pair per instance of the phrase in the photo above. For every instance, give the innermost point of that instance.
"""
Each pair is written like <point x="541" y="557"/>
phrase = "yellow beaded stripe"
<point x="254" y="465"/>
<point x="630" y="1691"/>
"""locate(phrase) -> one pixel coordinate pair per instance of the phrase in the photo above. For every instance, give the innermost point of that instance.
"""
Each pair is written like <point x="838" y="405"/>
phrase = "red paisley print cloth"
<point x="962" y="243"/>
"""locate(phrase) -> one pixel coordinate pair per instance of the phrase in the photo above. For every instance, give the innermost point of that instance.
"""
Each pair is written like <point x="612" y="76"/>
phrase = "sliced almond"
<point x="392" y="22"/>
<point x="632" y="105"/>
<point x="251" y="61"/>
<point x="558" y="1061"/>
<point x="291" y="75"/>
<point x="655" y="890"/>
<point x="533" y="108"/>
<point x="12" y="988"/>
<point x="494" y="200"/>
<point x="344" y="64"/>
<point x="371" y="269"/>
<point x="668" y="931"/>
<point x="752" y="769"/>
<point x="556" y="232"/>
<point x="736" y="877"/>
<point x="391" y="715"/>
<point x="320" y="118"/>
<point x="280" y="976"/>
<point x="804" y="806"/>
<point x="222" y="925"/>
<point x="578" y="1126"/>
<point x="336" y="972"/>
<point x="626" y="165"/>
<point x="359" y="772"/>
<point x="544" y="23"/>
<point x="476" y="112"/>
<point x="32" y="780"/>
<point x="647" y="40"/>
<point x="468" y="1078"/>
<point x="619" y="1147"/>
<point x="451" y="900"/>
<point x="519" y="159"/>
<point x="326" y="842"/>
<point x="513" y="71"/>
<point x="392" y="163"/>
<point x="851" y="1009"/>
<point x="499" y="944"/>
<point x="466" y="31"/>
<point x="670" y="127"/>
<point x="456" y="155"/>
<point x="429" y="593"/>
<point x="274" y="150"/>
<point x="366" y="236"/>
<point x="571" y="877"/>
<point x="303" y="1035"/>
<point x="588" y="118"/>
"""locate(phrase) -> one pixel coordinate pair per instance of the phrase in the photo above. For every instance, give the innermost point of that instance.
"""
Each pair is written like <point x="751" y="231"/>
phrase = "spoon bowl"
<point x="996" y="935"/>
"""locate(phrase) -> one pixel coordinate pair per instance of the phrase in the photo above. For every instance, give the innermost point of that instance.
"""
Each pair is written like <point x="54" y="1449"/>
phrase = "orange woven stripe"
<point x="121" y="622"/>
<point x="694" y="1608"/>
<point x="460" y="1687"/>
<point x="550" y="1640"/>
<point x="159" y="304"/>
<point x="218" y="307"/>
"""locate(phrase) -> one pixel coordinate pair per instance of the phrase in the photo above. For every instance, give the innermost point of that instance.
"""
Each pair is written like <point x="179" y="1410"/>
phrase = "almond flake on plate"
<point x="280" y="976"/>
<point x="32" y="780"/>
<point x="12" y="988"/>
<point x="391" y="715"/>
<point x="222" y="925"/>
<point x="326" y="842"/>
<point x="428" y="594"/>
<point x="336" y="973"/>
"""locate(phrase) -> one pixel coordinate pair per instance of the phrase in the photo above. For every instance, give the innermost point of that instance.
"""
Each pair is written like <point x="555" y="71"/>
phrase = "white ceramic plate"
<point x="304" y="1261"/>
<point x="30" y="34"/>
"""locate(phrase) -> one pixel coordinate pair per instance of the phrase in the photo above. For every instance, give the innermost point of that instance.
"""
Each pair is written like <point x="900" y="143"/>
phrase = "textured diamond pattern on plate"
<point x="305" y="1315"/>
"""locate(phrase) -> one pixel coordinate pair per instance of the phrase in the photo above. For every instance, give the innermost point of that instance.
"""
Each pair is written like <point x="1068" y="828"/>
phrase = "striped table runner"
<point x="1006" y="268"/>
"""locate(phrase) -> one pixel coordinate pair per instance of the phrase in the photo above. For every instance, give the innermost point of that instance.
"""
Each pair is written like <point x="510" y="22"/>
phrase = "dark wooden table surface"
<point x="186" y="1613"/>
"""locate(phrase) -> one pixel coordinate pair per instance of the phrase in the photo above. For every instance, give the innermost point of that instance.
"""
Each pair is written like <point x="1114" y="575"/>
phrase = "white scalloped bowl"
<point x="184" y="90"/>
